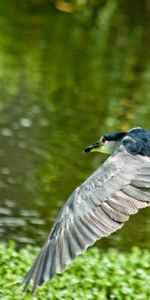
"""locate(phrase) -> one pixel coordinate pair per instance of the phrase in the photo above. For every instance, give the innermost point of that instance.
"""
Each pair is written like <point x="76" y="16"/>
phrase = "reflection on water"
<point x="65" y="79"/>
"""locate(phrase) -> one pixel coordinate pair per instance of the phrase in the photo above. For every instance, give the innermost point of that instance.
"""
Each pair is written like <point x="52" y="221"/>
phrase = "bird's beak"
<point x="95" y="147"/>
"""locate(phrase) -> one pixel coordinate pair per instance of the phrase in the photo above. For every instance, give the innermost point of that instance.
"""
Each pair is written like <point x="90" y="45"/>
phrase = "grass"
<point x="96" y="275"/>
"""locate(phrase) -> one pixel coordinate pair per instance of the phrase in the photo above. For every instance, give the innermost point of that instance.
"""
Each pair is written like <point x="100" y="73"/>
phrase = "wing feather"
<point x="113" y="213"/>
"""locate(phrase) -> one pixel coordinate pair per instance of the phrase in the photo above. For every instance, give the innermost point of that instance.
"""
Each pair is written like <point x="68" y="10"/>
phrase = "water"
<point x="65" y="79"/>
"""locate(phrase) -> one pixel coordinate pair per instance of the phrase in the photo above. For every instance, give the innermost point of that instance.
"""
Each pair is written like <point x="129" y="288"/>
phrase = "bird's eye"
<point x="102" y="139"/>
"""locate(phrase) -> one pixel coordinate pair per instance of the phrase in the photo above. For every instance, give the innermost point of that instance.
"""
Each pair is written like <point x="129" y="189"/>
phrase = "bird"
<point x="100" y="205"/>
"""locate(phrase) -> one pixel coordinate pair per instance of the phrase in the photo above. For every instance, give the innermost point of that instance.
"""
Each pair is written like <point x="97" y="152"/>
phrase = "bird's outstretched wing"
<point x="95" y="209"/>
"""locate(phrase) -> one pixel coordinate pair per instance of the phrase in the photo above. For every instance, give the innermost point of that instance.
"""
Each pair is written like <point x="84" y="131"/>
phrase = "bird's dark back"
<point x="137" y="141"/>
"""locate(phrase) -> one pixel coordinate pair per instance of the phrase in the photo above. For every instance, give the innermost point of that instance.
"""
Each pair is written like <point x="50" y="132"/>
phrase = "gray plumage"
<point x="99" y="206"/>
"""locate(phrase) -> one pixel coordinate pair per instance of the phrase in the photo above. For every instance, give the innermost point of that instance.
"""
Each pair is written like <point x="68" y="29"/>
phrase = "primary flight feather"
<point x="100" y="205"/>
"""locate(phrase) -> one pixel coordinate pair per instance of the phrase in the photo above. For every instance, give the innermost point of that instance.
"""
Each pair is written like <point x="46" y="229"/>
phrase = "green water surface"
<point x="65" y="79"/>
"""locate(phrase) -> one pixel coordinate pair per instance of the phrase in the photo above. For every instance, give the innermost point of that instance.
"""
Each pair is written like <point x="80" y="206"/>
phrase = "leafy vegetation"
<point x="94" y="275"/>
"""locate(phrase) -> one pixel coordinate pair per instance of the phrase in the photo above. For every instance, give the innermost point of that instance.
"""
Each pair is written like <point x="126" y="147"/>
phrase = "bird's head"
<point x="136" y="141"/>
<point x="107" y="143"/>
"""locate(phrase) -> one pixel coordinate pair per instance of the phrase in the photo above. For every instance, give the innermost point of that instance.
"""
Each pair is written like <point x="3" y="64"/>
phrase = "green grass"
<point x="94" y="275"/>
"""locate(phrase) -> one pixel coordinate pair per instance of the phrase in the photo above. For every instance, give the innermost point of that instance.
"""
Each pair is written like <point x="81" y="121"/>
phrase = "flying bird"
<point x="100" y="205"/>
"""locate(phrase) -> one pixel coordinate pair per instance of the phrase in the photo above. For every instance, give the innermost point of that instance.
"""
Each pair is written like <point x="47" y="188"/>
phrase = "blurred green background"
<point x="70" y="71"/>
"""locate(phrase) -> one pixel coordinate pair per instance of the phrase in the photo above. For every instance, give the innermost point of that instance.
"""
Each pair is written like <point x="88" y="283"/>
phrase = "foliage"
<point x="66" y="79"/>
<point x="94" y="275"/>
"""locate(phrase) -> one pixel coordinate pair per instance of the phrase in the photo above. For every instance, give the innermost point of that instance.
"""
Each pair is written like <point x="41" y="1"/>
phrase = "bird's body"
<point x="100" y="205"/>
